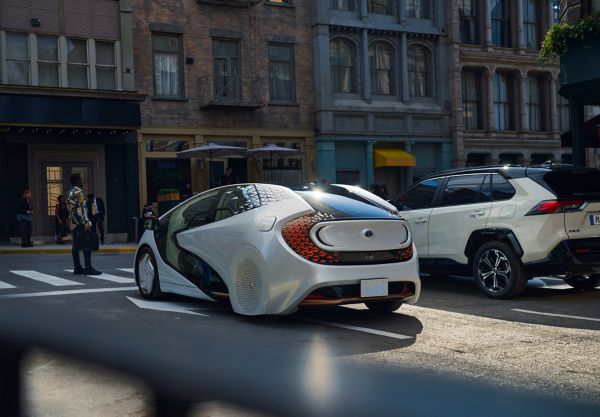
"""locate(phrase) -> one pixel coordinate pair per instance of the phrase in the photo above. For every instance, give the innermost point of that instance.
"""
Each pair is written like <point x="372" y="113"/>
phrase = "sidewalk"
<point x="53" y="248"/>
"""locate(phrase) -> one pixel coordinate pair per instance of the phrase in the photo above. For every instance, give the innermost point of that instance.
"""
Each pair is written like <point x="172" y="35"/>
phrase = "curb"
<point x="52" y="251"/>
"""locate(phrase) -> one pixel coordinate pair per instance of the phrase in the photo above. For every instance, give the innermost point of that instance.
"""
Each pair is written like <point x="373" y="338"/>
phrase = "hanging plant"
<point x="560" y="35"/>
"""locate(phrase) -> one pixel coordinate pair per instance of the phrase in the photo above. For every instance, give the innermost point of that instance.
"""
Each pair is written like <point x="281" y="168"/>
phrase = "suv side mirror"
<point x="151" y="224"/>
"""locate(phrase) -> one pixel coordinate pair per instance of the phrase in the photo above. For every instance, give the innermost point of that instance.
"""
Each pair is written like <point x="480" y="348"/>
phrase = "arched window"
<point x="419" y="71"/>
<point x="382" y="72"/>
<point x="343" y="66"/>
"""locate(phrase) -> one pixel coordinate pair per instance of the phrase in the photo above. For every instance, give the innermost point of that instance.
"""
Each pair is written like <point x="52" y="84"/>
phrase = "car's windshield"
<point x="343" y="206"/>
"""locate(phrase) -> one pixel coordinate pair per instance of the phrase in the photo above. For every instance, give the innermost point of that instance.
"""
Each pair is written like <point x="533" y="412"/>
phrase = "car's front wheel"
<point x="498" y="271"/>
<point x="386" y="306"/>
<point x="584" y="282"/>
<point x="146" y="274"/>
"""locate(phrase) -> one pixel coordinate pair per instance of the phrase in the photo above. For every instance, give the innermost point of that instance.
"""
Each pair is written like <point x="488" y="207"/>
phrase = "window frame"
<point x="292" y="72"/>
<point x="534" y="110"/>
<point x="352" y="68"/>
<point x="472" y="19"/>
<point x="501" y="104"/>
<point x="501" y="25"/>
<point x="531" y="28"/>
<point x="45" y="62"/>
<point x="179" y="54"/>
<point x="18" y="60"/>
<point x="479" y="187"/>
<point x="105" y="66"/>
<point x="467" y="102"/>
<point x="391" y="7"/>
<point x="424" y="6"/>
<point x="375" y="71"/>
<point x="440" y="181"/>
<point x="85" y="65"/>
<point x="236" y="93"/>
<point x="428" y="72"/>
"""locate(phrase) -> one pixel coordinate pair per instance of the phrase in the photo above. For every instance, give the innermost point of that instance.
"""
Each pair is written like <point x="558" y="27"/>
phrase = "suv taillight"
<point x="555" y="206"/>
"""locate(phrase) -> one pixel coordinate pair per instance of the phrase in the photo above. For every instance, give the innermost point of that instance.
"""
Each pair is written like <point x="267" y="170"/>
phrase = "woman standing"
<point x="25" y="217"/>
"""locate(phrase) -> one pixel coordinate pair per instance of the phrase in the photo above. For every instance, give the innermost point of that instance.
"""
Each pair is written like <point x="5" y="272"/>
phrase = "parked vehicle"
<point x="268" y="249"/>
<point x="508" y="224"/>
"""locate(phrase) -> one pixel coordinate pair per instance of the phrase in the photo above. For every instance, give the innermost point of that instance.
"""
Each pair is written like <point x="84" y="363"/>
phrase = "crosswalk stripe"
<point x="108" y="277"/>
<point x="48" y="279"/>
<point x="5" y="285"/>
<point x="67" y="292"/>
<point x="130" y="270"/>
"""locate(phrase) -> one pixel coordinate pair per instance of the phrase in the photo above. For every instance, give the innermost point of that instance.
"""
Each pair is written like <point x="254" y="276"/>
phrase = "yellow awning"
<point x="393" y="157"/>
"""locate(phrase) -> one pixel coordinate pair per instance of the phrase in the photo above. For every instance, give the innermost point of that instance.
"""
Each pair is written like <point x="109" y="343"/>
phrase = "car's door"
<point x="415" y="206"/>
<point x="463" y="207"/>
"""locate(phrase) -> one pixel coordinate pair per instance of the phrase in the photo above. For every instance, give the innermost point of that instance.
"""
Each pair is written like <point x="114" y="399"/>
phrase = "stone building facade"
<point x="506" y="107"/>
<point x="234" y="72"/>
<point x="67" y="105"/>
<point x="382" y="106"/>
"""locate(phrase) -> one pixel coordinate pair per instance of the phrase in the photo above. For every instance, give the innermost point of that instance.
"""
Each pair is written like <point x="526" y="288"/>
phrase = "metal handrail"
<point x="230" y="89"/>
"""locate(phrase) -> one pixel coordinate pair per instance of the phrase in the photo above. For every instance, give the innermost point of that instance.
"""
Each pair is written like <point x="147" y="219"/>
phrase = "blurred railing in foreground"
<point x="183" y="371"/>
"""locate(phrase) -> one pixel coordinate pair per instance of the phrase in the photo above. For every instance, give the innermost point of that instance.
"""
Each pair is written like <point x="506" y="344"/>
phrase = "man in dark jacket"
<point x="25" y="217"/>
<point x="97" y="211"/>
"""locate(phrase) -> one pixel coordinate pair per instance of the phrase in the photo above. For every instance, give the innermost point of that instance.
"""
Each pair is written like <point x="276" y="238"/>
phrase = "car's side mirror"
<point x="151" y="224"/>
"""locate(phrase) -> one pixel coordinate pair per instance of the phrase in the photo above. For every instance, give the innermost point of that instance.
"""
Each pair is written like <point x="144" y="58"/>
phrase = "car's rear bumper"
<point x="578" y="256"/>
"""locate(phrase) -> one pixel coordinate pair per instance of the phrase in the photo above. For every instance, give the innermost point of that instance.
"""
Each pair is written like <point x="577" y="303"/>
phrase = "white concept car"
<point x="267" y="249"/>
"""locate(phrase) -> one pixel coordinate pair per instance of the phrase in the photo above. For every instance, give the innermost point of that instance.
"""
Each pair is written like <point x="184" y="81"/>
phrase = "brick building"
<point x="67" y="104"/>
<point x="231" y="72"/>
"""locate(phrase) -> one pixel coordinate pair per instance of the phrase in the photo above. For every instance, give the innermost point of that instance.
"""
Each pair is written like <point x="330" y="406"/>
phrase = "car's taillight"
<point x="297" y="235"/>
<point x="555" y="206"/>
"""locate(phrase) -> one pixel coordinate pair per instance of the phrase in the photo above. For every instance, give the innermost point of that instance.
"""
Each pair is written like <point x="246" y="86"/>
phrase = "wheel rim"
<point x="493" y="270"/>
<point x="146" y="273"/>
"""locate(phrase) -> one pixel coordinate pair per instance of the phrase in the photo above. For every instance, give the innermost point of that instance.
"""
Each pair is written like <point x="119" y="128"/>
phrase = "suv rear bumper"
<point x="579" y="256"/>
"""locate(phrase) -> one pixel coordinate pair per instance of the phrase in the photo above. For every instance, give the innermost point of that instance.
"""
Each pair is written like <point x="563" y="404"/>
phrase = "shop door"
<point x="56" y="181"/>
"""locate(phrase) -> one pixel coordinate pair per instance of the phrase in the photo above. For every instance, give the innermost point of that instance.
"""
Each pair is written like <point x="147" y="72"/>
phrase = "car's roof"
<point x="509" y="171"/>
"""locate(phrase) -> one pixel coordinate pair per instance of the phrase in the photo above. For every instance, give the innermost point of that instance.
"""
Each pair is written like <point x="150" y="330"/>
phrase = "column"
<point x="576" y="122"/>
<point x="553" y="108"/>
<point x="404" y="67"/>
<point x="550" y="11"/>
<point x="523" y="125"/>
<point x="520" y="34"/>
<point x="444" y="156"/>
<point x="489" y="90"/>
<point x="322" y="67"/>
<point x="362" y="7"/>
<point x="326" y="161"/>
<point x="364" y="53"/>
<point x="369" y="170"/>
<point x="3" y="69"/>
<point x="402" y="11"/>
<point x="126" y="51"/>
<point x="487" y="13"/>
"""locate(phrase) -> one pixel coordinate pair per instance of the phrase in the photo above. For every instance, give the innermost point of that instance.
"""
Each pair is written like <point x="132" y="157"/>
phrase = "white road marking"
<point x="358" y="329"/>
<point x="554" y="315"/>
<point x="171" y="306"/>
<point x="67" y="292"/>
<point x="108" y="277"/>
<point x="5" y="285"/>
<point x="48" y="279"/>
<point x="130" y="270"/>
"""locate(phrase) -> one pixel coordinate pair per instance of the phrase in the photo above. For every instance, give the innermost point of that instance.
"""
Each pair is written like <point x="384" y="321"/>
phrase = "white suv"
<point x="508" y="224"/>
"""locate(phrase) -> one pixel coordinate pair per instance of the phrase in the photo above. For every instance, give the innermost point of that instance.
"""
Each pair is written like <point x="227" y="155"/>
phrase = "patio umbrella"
<point x="210" y="151"/>
<point x="270" y="151"/>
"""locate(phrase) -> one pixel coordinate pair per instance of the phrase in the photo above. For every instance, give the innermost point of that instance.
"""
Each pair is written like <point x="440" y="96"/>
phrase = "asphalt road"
<point x="546" y="342"/>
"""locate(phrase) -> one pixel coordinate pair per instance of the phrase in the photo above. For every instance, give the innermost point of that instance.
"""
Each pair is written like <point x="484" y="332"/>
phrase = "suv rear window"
<point x="573" y="184"/>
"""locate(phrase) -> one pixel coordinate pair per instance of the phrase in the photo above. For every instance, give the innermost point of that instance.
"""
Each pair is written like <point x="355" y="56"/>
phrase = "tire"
<point x="498" y="271"/>
<point x="146" y="274"/>
<point x="386" y="306"/>
<point x="584" y="282"/>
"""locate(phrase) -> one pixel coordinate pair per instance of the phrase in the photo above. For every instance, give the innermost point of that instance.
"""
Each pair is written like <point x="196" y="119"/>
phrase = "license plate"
<point x="374" y="287"/>
<point x="594" y="219"/>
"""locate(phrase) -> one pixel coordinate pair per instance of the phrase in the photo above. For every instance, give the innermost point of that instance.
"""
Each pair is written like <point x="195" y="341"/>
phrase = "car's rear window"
<point x="343" y="206"/>
<point x="573" y="184"/>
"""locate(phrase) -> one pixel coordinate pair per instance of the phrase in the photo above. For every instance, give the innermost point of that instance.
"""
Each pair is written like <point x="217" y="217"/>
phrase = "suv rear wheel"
<point x="498" y="271"/>
<point x="584" y="282"/>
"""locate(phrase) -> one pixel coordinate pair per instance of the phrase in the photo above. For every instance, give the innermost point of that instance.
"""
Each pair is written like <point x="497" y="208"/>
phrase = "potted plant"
<point x="563" y="37"/>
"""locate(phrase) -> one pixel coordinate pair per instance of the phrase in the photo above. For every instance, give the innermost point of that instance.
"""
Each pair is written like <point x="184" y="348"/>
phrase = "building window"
<point x="343" y="66"/>
<point x="77" y="63"/>
<point x="227" y="68"/>
<point x="17" y="58"/>
<point x="47" y="61"/>
<point x="418" y="9"/>
<point x="106" y="67"/>
<point x="382" y="73"/>
<point x="166" y="50"/>
<point x="531" y="24"/>
<point x="348" y="5"/>
<point x="503" y="114"/>
<point x="533" y="103"/>
<point x="501" y="35"/>
<point x="281" y="72"/>
<point x="387" y="7"/>
<point x="419" y="71"/>
<point x="471" y="98"/>
<point x="467" y="13"/>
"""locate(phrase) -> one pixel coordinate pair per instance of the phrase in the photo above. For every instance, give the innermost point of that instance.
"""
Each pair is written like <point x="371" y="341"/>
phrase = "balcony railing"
<point x="218" y="91"/>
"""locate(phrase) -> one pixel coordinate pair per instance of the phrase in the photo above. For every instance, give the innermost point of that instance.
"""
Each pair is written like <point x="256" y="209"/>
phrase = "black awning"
<point x="591" y="134"/>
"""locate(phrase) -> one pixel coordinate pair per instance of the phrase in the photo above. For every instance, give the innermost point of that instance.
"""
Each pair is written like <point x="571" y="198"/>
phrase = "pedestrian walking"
<point x="25" y="218"/>
<point x="80" y="224"/>
<point x="97" y="210"/>
<point x="61" y="215"/>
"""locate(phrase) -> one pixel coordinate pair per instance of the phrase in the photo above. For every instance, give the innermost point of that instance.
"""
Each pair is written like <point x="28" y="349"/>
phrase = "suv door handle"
<point x="477" y="214"/>
<point x="421" y="221"/>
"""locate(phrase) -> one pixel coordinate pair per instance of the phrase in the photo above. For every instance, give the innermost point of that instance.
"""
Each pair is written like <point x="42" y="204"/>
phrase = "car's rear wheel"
<point x="146" y="274"/>
<point x="386" y="306"/>
<point x="498" y="271"/>
<point x="584" y="282"/>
